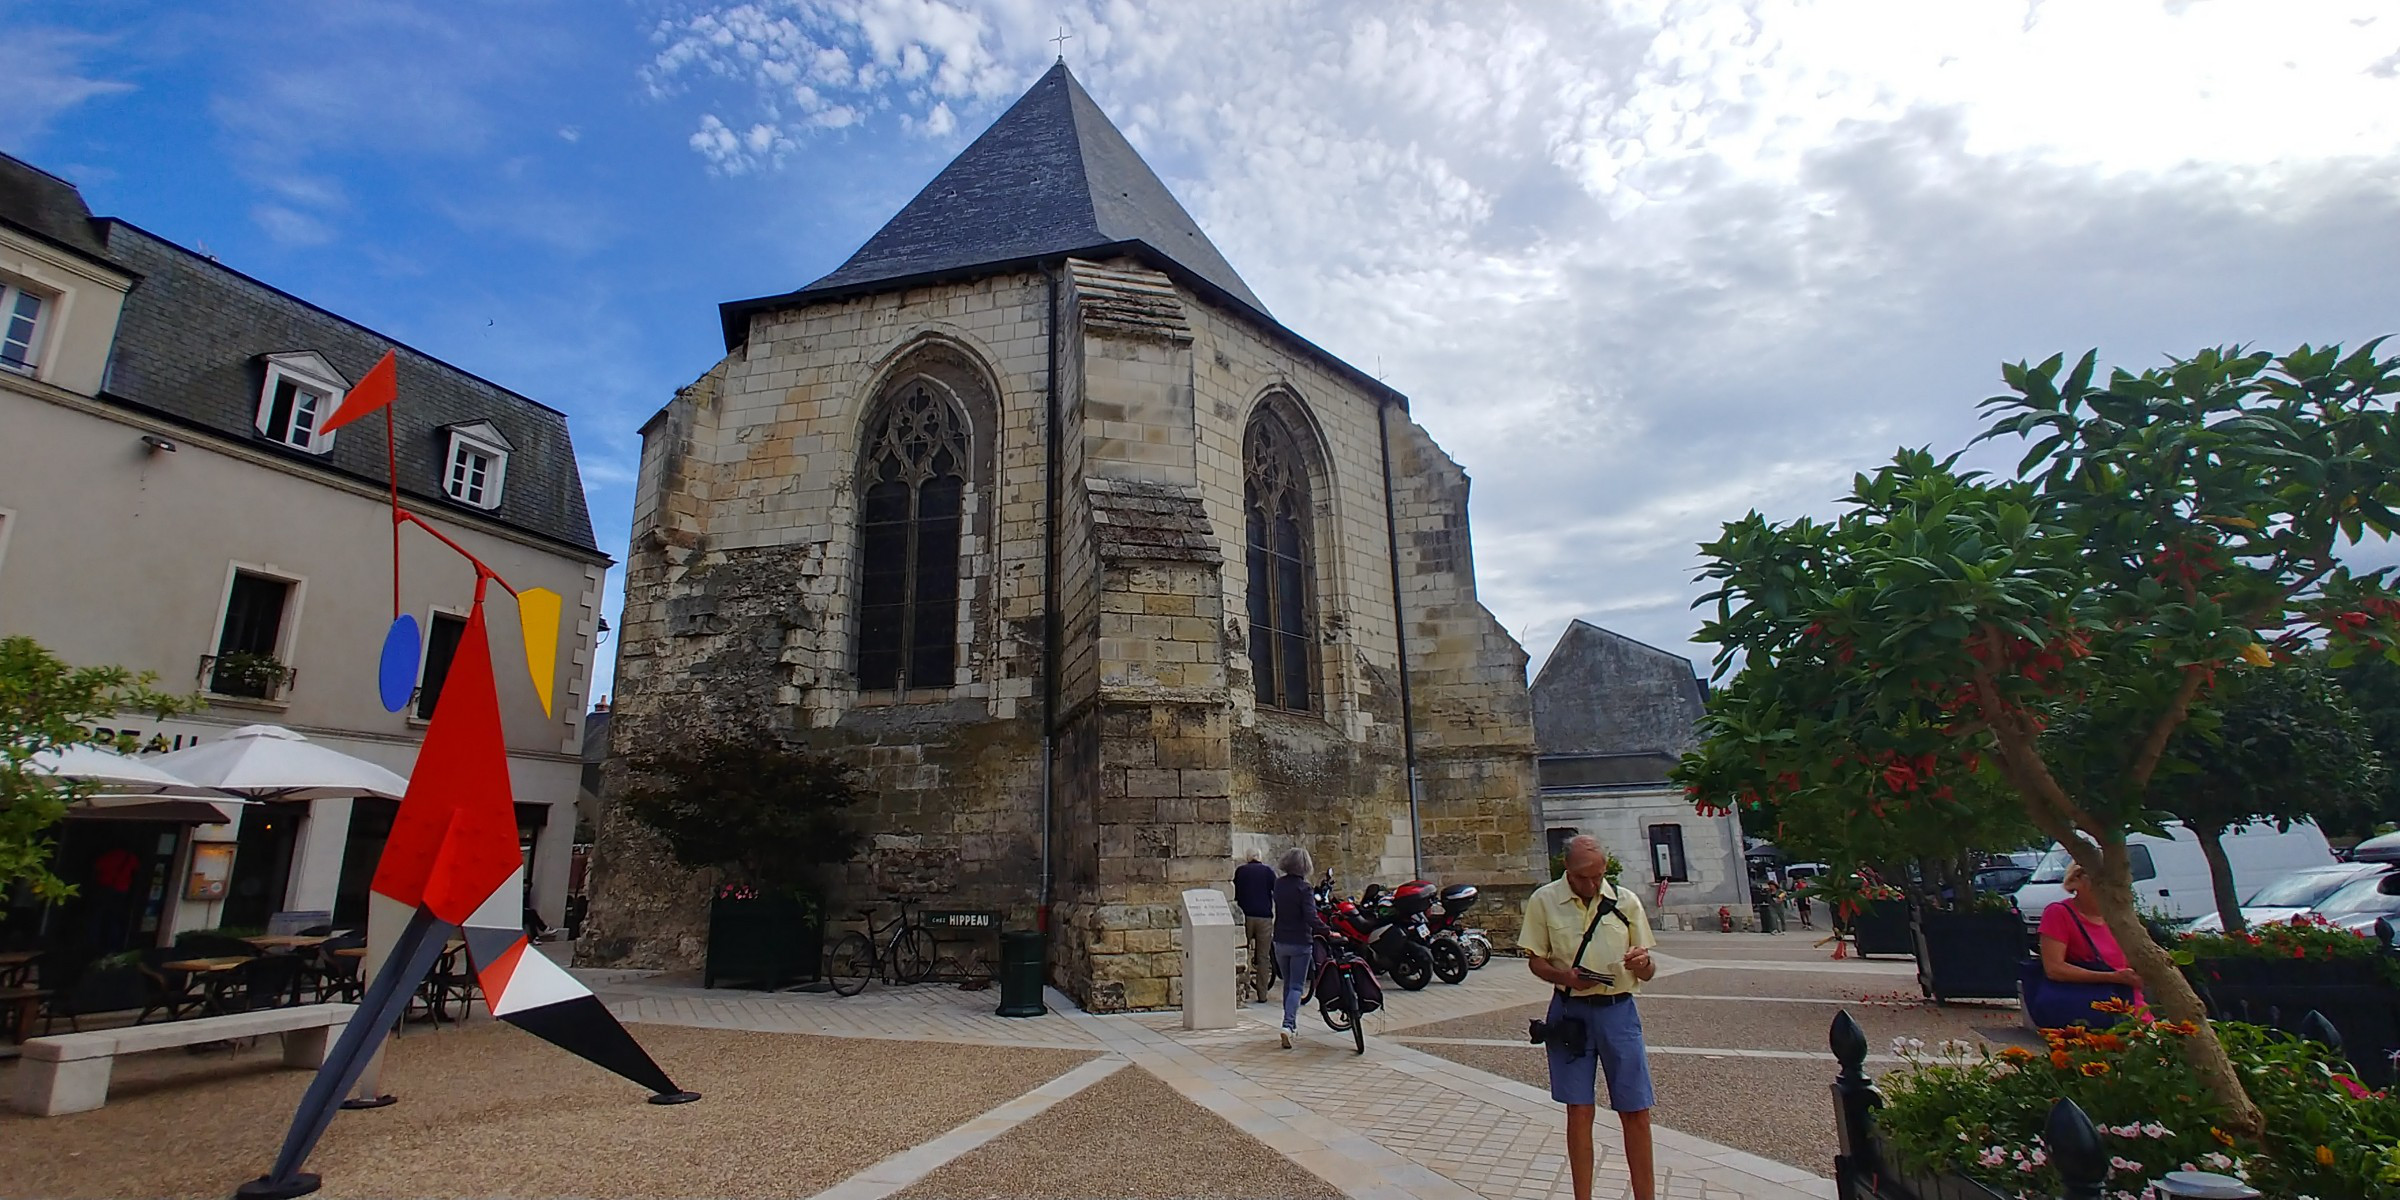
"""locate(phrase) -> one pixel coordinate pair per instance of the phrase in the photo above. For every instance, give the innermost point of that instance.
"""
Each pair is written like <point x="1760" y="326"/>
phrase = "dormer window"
<point x="477" y="464"/>
<point x="302" y="390"/>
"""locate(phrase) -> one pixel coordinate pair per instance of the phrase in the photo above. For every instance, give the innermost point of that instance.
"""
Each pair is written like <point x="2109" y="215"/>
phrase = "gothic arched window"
<point x="912" y="488"/>
<point x="1281" y="559"/>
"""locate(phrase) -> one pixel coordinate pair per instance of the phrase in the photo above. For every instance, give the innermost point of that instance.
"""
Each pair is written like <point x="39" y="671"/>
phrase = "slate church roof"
<point x="1051" y="177"/>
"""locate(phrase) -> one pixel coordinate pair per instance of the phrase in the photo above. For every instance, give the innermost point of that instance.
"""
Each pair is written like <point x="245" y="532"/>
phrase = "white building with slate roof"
<point x="1612" y="717"/>
<point x="168" y="504"/>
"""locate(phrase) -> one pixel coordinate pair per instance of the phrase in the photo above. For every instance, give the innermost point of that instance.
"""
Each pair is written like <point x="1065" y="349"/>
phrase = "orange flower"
<point x="2324" y="1156"/>
<point x="2220" y="1135"/>
<point x="2184" y="1028"/>
<point x="2058" y="1058"/>
<point x="2095" y="1068"/>
<point x="2109" y="1041"/>
<point x="2112" y="1005"/>
<point x="2016" y="1054"/>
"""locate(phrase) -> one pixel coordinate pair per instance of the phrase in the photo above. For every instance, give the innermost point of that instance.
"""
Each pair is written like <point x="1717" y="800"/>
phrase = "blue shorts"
<point x="1613" y="1044"/>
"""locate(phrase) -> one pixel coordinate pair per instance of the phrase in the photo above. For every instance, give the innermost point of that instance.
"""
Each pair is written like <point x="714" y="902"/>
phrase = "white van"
<point x="2171" y="875"/>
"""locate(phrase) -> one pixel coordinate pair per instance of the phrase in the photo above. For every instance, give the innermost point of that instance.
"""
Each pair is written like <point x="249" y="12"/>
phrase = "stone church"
<point x="1100" y="574"/>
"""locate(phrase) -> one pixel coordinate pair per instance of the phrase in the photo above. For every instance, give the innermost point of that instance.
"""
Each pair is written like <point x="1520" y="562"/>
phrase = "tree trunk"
<point x="2220" y="875"/>
<point x="2164" y="985"/>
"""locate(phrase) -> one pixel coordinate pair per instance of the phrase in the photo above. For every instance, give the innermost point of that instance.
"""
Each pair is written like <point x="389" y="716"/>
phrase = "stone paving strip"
<point x="924" y="1158"/>
<point x="1654" y="1048"/>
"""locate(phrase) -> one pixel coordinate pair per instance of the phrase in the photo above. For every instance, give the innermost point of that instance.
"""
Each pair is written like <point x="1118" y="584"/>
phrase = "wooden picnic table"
<point x="287" y="941"/>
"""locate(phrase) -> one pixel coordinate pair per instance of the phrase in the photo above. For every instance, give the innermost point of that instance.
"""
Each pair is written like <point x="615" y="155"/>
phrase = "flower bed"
<point x="1980" y="1114"/>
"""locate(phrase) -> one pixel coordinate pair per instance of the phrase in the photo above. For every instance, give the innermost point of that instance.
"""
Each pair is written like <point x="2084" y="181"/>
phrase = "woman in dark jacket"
<point x="1296" y="924"/>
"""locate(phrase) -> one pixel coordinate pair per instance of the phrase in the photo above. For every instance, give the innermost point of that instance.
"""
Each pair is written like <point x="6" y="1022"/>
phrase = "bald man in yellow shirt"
<point x="1590" y="941"/>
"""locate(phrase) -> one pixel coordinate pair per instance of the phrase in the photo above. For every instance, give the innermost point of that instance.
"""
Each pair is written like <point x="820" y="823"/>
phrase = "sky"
<point x="1641" y="266"/>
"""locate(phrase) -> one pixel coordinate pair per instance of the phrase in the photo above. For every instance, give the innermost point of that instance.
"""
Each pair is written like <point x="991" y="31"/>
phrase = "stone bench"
<point x="69" y="1074"/>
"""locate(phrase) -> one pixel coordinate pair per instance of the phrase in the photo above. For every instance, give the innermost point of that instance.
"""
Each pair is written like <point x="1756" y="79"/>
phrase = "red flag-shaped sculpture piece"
<point x="451" y="867"/>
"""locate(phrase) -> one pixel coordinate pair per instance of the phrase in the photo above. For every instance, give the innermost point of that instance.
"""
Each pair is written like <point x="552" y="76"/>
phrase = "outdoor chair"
<point x="269" y="981"/>
<point x="450" y="982"/>
<point x="173" y="992"/>
<point x="334" y="976"/>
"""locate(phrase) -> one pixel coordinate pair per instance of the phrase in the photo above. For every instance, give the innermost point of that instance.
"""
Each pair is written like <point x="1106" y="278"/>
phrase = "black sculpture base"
<point x="356" y="1103"/>
<point x="263" y="1188"/>
<point x="674" y="1097"/>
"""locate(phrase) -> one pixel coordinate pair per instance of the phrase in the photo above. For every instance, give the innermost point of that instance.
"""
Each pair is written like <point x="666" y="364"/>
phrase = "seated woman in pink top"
<point x="2077" y="948"/>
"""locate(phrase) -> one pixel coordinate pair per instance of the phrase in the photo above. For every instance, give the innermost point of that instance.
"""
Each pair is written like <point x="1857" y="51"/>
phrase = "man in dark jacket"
<point x="1254" y="891"/>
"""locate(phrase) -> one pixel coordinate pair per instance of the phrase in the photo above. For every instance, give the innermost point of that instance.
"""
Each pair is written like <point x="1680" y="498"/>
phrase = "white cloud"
<point x="45" y="74"/>
<point x="290" y="226"/>
<point x="1643" y="265"/>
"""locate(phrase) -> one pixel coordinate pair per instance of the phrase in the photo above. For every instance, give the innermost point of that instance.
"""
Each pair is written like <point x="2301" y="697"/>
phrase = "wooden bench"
<point x="69" y="1073"/>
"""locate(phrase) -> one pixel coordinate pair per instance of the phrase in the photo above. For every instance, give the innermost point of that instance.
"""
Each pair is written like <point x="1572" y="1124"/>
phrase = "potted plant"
<point x="1969" y="950"/>
<point x="758" y="819"/>
<point x="1879" y="921"/>
<point x="2279" y="973"/>
<point x="257" y="676"/>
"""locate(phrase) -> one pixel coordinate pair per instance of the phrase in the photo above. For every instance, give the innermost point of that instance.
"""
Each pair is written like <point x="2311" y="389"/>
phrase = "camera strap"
<point x="1607" y="905"/>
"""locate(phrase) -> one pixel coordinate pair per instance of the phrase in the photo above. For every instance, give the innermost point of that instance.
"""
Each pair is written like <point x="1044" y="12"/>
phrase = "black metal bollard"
<point x="2076" y="1150"/>
<point x="1860" y="1157"/>
<point x="2317" y="1029"/>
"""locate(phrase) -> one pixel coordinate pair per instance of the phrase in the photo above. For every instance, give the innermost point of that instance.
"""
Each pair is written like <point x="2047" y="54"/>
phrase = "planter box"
<point x="1968" y="956"/>
<point x="763" y="941"/>
<point x="1882" y="927"/>
<point x="2363" y="1006"/>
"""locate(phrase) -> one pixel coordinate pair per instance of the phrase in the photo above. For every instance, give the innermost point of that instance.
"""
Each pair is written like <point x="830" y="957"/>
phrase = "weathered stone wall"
<point x="739" y="591"/>
<point x="1474" y="716"/>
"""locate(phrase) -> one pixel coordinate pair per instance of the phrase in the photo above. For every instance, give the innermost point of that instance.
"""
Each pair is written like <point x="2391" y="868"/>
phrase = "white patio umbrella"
<point x="269" y="762"/>
<point x="133" y="787"/>
<point x="112" y="772"/>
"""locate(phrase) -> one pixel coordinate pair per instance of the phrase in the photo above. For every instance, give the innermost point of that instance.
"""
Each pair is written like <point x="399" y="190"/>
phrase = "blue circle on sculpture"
<point x="396" y="674"/>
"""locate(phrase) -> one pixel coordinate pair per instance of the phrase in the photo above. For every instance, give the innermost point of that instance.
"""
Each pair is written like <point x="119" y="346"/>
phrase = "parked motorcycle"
<point x="1408" y="906"/>
<point x="1445" y="919"/>
<point x="1382" y="942"/>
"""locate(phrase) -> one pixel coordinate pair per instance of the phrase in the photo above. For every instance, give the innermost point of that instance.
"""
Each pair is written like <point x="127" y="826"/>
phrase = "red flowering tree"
<point x="2162" y="529"/>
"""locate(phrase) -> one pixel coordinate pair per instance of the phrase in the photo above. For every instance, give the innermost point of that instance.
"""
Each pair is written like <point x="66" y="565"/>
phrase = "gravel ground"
<point x="1127" y="1137"/>
<point x="1798" y="946"/>
<point x="1773" y="1108"/>
<point x="489" y="1110"/>
<point x="1671" y="1022"/>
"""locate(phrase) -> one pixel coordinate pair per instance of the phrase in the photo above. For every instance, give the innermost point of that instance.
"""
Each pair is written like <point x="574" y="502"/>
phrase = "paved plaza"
<point x="923" y="1093"/>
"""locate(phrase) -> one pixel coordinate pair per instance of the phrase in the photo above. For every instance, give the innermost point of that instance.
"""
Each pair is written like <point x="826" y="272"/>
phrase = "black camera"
<point x="1567" y="1032"/>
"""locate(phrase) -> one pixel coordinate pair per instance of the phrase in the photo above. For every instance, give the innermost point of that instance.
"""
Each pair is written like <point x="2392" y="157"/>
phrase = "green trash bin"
<point x="1021" y="960"/>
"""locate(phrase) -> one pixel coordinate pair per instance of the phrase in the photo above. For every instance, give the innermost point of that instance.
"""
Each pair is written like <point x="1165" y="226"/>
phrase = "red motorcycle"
<point x="1383" y="942"/>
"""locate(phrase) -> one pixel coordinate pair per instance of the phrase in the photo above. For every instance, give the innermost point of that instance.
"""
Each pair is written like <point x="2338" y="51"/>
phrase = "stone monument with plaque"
<point x="1211" y="944"/>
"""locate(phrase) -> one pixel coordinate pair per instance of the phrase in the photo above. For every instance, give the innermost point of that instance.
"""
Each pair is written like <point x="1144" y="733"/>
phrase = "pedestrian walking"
<point x="1254" y="894"/>
<point x="1590" y="941"/>
<point x="1297" y="923"/>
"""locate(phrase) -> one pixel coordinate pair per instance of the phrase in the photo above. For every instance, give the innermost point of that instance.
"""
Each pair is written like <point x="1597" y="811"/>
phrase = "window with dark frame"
<point x="442" y="636"/>
<point x="911" y="509"/>
<point x="1666" y="855"/>
<point x="1276" y="512"/>
<point x="251" y="636"/>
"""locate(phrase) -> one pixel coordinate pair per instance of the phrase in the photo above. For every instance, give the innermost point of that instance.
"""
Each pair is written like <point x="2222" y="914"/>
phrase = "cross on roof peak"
<point x="1061" y="40"/>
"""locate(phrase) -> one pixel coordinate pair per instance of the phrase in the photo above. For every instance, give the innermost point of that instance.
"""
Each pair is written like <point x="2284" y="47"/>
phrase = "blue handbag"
<point x="2054" y="1004"/>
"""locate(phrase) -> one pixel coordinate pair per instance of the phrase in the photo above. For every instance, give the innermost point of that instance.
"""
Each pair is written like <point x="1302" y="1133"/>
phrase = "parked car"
<point x="2363" y="902"/>
<point x="2384" y="848"/>
<point x="2002" y="880"/>
<point x="2170" y="875"/>
<point x="1796" y="872"/>
<point x="2293" y="895"/>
